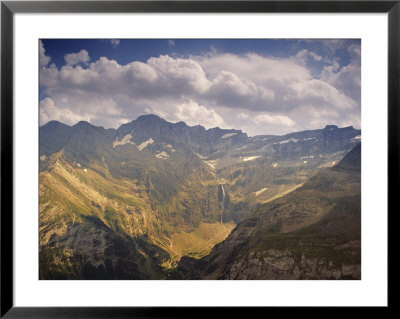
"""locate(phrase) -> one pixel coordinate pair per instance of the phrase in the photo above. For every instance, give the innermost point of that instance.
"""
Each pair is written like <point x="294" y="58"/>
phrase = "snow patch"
<point x="125" y="140"/>
<point x="42" y="157"/>
<point x="211" y="163"/>
<point x="262" y="190"/>
<point x="356" y="138"/>
<point x="241" y="148"/>
<point x="85" y="169"/>
<point x="274" y="165"/>
<point x="250" y="158"/>
<point x="162" y="155"/>
<point x="228" y="135"/>
<point x="145" y="144"/>
<point x="200" y="156"/>
<point x="305" y="162"/>
<point x="294" y="140"/>
<point x="170" y="147"/>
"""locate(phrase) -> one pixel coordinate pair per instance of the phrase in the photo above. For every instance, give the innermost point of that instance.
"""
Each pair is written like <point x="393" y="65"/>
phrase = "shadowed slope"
<point x="312" y="233"/>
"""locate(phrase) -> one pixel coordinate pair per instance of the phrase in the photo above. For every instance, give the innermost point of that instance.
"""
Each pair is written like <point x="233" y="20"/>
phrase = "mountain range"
<point x="159" y="200"/>
<point x="312" y="233"/>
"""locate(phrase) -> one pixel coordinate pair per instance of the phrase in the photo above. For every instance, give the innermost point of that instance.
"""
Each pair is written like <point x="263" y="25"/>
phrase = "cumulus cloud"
<point x="346" y="78"/>
<point x="191" y="113"/>
<point x="304" y="55"/>
<point x="255" y="123"/>
<point x="70" y="107"/>
<point x="49" y="111"/>
<point x="273" y="119"/>
<point x="72" y="59"/>
<point x="259" y="94"/>
<point x="43" y="58"/>
<point x="243" y="116"/>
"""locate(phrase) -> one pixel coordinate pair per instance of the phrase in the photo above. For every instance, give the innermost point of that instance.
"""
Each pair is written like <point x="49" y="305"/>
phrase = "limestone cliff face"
<point x="282" y="264"/>
<point x="92" y="250"/>
<point x="311" y="233"/>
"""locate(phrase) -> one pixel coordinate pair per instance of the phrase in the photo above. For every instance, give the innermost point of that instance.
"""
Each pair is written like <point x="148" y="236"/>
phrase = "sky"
<point x="259" y="86"/>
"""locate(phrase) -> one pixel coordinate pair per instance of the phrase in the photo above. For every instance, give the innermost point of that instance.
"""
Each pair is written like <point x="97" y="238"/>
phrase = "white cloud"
<point x="114" y="42"/>
<point x="304" y="55"/>
<point x="243" y="116"/>
<point x="273" y="119"/>
<point x="70" y="107"/>
<point x="43" y="58"/>
<point x="259" y="94"/>
<point x="74" y="58"/>
<point x="179" y="75"/>
<point x="48" y="112"/>
<point x="315" y="56"/>
<point x="256" y="67"/>
<point x="191" y="113"/>
<point x="171" y="43"/>
<point x="347" y="78"/>
<point x="317" y="92"/>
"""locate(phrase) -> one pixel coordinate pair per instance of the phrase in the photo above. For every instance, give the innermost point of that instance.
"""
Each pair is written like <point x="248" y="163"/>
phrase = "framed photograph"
<point x="158" y="156"/>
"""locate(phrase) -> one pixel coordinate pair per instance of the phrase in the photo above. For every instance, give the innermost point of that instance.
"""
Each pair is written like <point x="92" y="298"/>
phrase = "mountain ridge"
<point x="145" y="117"/>
<point x="277" y="242"/>
<point x="177" y="188"/>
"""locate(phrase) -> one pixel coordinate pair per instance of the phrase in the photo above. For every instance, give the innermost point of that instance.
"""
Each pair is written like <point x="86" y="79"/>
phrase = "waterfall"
<point x="223" y="200"/>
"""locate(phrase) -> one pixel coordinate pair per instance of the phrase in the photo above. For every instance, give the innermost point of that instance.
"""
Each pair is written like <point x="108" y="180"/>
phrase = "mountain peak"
<point x="53" y="123"/>
<point x="352" y="160"/>
<point x="181" y="123"/>
<point x="330" y="127"/>
<point x="83" y="124"/>
<point x="149" y="117"/>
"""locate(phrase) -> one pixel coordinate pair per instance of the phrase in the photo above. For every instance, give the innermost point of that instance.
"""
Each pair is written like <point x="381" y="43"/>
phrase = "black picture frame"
<point x="9" y="8"/>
